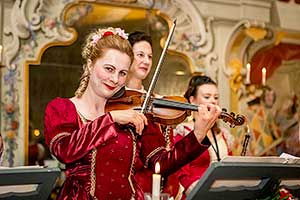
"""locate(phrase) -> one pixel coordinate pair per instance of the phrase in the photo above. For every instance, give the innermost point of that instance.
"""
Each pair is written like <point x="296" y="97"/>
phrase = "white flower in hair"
<point x="109" y="31"/>
<point x="121" y="33"/>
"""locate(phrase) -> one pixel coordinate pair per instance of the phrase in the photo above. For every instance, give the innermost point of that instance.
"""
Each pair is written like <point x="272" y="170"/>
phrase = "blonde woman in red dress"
<point x="101" y="156"/>
<point x="202" y="90"/>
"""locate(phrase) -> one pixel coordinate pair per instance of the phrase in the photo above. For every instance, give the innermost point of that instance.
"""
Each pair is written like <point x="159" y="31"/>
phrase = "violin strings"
<point x="174" y="104"/>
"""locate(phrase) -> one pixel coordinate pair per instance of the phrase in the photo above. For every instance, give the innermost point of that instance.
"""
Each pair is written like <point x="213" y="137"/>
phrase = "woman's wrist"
<point x="199" y="135"/>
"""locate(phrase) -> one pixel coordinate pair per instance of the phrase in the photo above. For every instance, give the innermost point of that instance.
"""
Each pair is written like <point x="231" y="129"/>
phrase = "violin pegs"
<point x="232" y="114"/>
<point x="224" y="109"/>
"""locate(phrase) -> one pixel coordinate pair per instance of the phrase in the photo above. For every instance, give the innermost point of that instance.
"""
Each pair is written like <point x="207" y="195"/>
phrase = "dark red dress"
<point x="101" y="157"/>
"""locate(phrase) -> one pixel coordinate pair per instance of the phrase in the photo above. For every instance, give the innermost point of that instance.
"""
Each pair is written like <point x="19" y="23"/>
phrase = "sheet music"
<point x="236" y="183"/>
<point x="18" y="188"/>
<point x="266" y="159"/>
<point x="22" y="167"/>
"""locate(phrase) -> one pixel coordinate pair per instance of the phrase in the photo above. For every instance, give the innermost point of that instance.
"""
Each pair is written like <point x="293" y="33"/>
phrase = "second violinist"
<point x="139" y="70"/>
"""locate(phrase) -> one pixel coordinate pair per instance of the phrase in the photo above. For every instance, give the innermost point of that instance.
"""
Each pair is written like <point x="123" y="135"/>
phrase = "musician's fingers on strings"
<point x="203" y="112"/>
<point x="215" y="110"/>
<point x="139" y="121"/>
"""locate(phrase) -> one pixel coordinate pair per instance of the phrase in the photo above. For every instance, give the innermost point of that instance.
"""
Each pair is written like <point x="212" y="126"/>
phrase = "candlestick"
<point x="156" y="182"/>
<point x="248" y="68"/>
<point x="264" y="72"/>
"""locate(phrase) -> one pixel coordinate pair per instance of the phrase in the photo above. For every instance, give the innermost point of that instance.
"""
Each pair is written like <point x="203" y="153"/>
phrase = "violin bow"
<point x="157" y="70"/>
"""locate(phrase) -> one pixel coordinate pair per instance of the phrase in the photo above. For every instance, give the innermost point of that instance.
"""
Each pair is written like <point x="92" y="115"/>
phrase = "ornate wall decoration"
<point x="10" y="115"/>
<point x="245" y="35"/>
<point x="32" y="26"/>
<point x="245" y="38"/>
<point x="244" y="42"/>
<point x="193" y="35"/>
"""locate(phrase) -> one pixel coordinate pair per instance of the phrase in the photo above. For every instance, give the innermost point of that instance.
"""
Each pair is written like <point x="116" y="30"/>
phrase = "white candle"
<point x="264" y="72"/>
<point x="1" y="54"/>
<point x="156" y="183"/>
<point x="248" y="68"/>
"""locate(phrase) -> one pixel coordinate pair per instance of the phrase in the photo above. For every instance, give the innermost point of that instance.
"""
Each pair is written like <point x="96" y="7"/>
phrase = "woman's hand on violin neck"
<point x="137" y="119"/>
<point x="205" y="118"/>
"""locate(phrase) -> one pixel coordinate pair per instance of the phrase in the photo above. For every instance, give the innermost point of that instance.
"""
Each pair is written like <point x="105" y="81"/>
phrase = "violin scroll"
<point x="232" y="119"/>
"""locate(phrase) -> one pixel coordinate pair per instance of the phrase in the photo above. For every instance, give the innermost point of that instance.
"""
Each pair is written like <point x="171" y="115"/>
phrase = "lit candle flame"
<point x="248" y="69"/>
<point x="264" y="72"/>
<point x="157" y="168"/>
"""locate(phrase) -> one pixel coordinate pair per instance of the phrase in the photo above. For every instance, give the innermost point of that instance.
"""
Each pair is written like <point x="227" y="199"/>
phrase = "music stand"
<point x="30" y="183"/>
<point x="244" y="178"/>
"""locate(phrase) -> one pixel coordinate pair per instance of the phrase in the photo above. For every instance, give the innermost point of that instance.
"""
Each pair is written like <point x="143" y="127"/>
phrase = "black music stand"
<point x="30" y="183"/>
<point x="246" y="178"/>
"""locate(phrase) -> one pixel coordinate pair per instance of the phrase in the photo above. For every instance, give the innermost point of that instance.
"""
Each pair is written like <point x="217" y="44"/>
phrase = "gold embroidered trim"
<point x="132" y="161"/>
<point x="63" y="134"/>
<point x="93" y="174"/>
<point x="83" y="119"/>
<point x="151" y="154"/>
<point x="167" y="137"/>
<point x="93" y="162"/>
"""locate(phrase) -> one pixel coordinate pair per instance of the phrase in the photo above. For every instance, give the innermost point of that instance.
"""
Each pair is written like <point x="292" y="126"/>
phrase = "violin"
<point x="168" y="110"/>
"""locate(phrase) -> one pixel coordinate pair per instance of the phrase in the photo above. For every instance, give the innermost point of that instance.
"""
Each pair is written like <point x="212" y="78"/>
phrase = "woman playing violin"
<point x="202" y="90"/>
<point x="100" y="152"/>
<point x="140" y="68"/>
<point x="142" y="62"/>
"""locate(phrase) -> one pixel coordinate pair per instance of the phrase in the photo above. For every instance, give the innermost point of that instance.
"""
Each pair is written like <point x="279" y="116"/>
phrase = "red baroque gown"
<point x="101" y="157"/>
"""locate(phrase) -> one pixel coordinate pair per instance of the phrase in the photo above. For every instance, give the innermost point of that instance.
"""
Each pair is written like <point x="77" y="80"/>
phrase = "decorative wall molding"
<point x="244" y="40"/>
<point x="31" y="28"/>
<point x="193" y="34"/>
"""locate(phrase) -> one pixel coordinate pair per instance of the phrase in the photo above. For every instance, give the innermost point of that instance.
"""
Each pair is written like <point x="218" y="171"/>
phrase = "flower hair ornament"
<point x="109" y="31"/>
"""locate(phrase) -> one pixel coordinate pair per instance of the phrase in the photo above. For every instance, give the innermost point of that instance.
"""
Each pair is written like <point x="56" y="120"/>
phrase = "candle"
<point x="248" y="67"/>
<point x="1" y="54"/>
<point x="264" y="72"/>
<point x="156" y="182"/>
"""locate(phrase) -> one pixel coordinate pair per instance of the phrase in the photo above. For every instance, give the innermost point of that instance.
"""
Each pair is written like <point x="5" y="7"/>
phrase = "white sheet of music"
<point x="283" y="159"/>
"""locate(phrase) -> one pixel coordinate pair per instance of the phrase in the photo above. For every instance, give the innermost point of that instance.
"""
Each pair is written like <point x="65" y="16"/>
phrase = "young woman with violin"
<point x="101" y="149"/>
<point x="202" y="90"/>
<point x="140" y="68"/>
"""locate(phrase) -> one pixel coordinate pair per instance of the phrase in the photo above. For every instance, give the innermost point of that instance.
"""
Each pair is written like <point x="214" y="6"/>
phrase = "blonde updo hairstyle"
<point x="93" y="49"/>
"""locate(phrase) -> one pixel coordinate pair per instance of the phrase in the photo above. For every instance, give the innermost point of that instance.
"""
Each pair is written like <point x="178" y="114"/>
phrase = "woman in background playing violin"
<point x="202" y="90"/>
<point x="100" y="152"/>
<point x="140" y="68"/>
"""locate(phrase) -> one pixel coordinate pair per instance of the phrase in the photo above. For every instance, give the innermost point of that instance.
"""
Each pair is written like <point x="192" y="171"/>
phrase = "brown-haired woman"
<point x="202" y="90"/>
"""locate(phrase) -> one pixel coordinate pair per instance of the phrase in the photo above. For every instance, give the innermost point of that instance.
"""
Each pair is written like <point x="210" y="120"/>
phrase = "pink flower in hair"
<point x="122" y="33"/>
<point x="95" y="39"/>
<point x="107" y="32"/>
